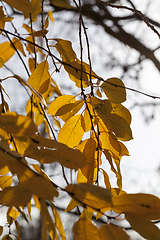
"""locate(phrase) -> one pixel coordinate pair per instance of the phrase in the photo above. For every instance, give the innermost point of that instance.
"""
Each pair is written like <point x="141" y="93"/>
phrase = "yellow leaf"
<point x="70" y="158"/>
<point x="5" y="181"/>
<point x="18" y="230"/>
<point x="117" y="192"/>
<point x="4" y="170"/>
<point x="15" y="196"/>
<point x="141" y="204"/>
<point x="72" y="204"/>
<point x="65" y="50"/>
<point x="36" y="8"/>
<point x="61" y="3"/>
<point x="112" y="232"/>
<point x="18" y="125"/>
<point x="1" y="230"/>
<point x="115" y="123"/>
<point x="31" y="63"/>
<point x="143" y="226"/>
<point x="46" y="24"/>
<point x="106" y="179"/>
<point x="17" y="43"/>
<point x="84" y="229"/>
<point x="108" y="157"/>
<point x="115" y="90"/>
<point x="39" y="33"/>
<point x="89" y="151"/>
<point x="87" y="121"/>
<point x="75" y="75"/>
<point x="29" y="209"/>
<point x="40" y="79"/>
<point x="6" y="51"/>
<point x="75" y="108"/>
<point x="47" y="221"/>
<point x="58" y="222"/>
<point x="121" y="111"/>
<point x="60" y="102"/>
<point x="37" y="203"/>
<point x="1" y="62"/>
<point x="50" y="14"/>
<point x="13" y="213"/>
<point x="30" y="47"/>
<point x="72" y="132"/>
<point x="24" y="6"/>
<point x="90" y="196"/>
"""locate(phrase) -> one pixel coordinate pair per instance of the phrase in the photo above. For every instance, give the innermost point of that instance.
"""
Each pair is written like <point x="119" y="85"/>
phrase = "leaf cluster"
<point x="91" y="128"/>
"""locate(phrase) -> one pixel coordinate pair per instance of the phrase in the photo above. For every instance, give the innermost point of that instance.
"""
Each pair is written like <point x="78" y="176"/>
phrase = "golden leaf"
<point x="6" y="51"/>
<point x="24" y="6"/>
<point x="84" y="229"/>
<point x="15" y="196"/>
<point x="58" y="222"/>
<point x="48" y="223"/>
<point x="72" y="132"/>
<point x="40" y="79"/>
<point x="90" y="196"/>
<point x="143" y="226"/>
<point x="112" y="232"/>
<point x="18" y="125"/>
<point x="145" y="205"/>
<point x="39" y="33"/>
<point x="115" y="90"/>
<point x="17" y="43"/>
<point x="1" y="230"/>
<point x="59" y="102"/>
<point x="13" y="213"/>
<point x="5" y="181"/>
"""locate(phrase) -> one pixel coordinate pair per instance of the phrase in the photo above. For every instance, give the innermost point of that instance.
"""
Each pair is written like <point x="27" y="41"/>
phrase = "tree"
<point x="87" y="129"/>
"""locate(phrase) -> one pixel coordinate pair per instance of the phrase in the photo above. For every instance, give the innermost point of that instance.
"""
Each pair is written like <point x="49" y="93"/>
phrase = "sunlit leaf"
<point x="15" y="196"/>
<point x="1" y="62"/>
<point x="65" y="50"/>
<point x="70" y="158"/>
<point x="74" y="71"/>
<point x="84" y="229"/>
<point x="59" y="103"/>
<point x="1" y="230"/>
<point x="115" y="123"/>
<point x="31" y="63"/>
<point x="143" y="226"/>
<point x="89" y="151"/>
<point x="121" y="111"/>
<point x="90" y="196"/>
<point x="61" y="3"/>
<point x="48" y="223"/>
<point x="17" y="43"/>
<point x="39" y="33"/>
<point x="141" y="204"/>
<point x="71" y="205"/>
<point x="115" y="90"/>
<point x="72" y="132"/>
<point x="40" y="79"/>
<point x="58" y="222"/>
<point x="5" y="181"/>
<point x="112" y="232"/>
<point x="13" y="213"/>
<point x="18" y="125"/>
<point x="6" y="51"/>
<point x="106" y="179"/>
<point x="24" y="6"/>
<point x="18" y="230"/>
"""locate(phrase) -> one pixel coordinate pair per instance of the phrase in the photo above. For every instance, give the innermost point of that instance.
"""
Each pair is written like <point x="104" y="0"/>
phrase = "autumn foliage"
<point x="92" y="127"/>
